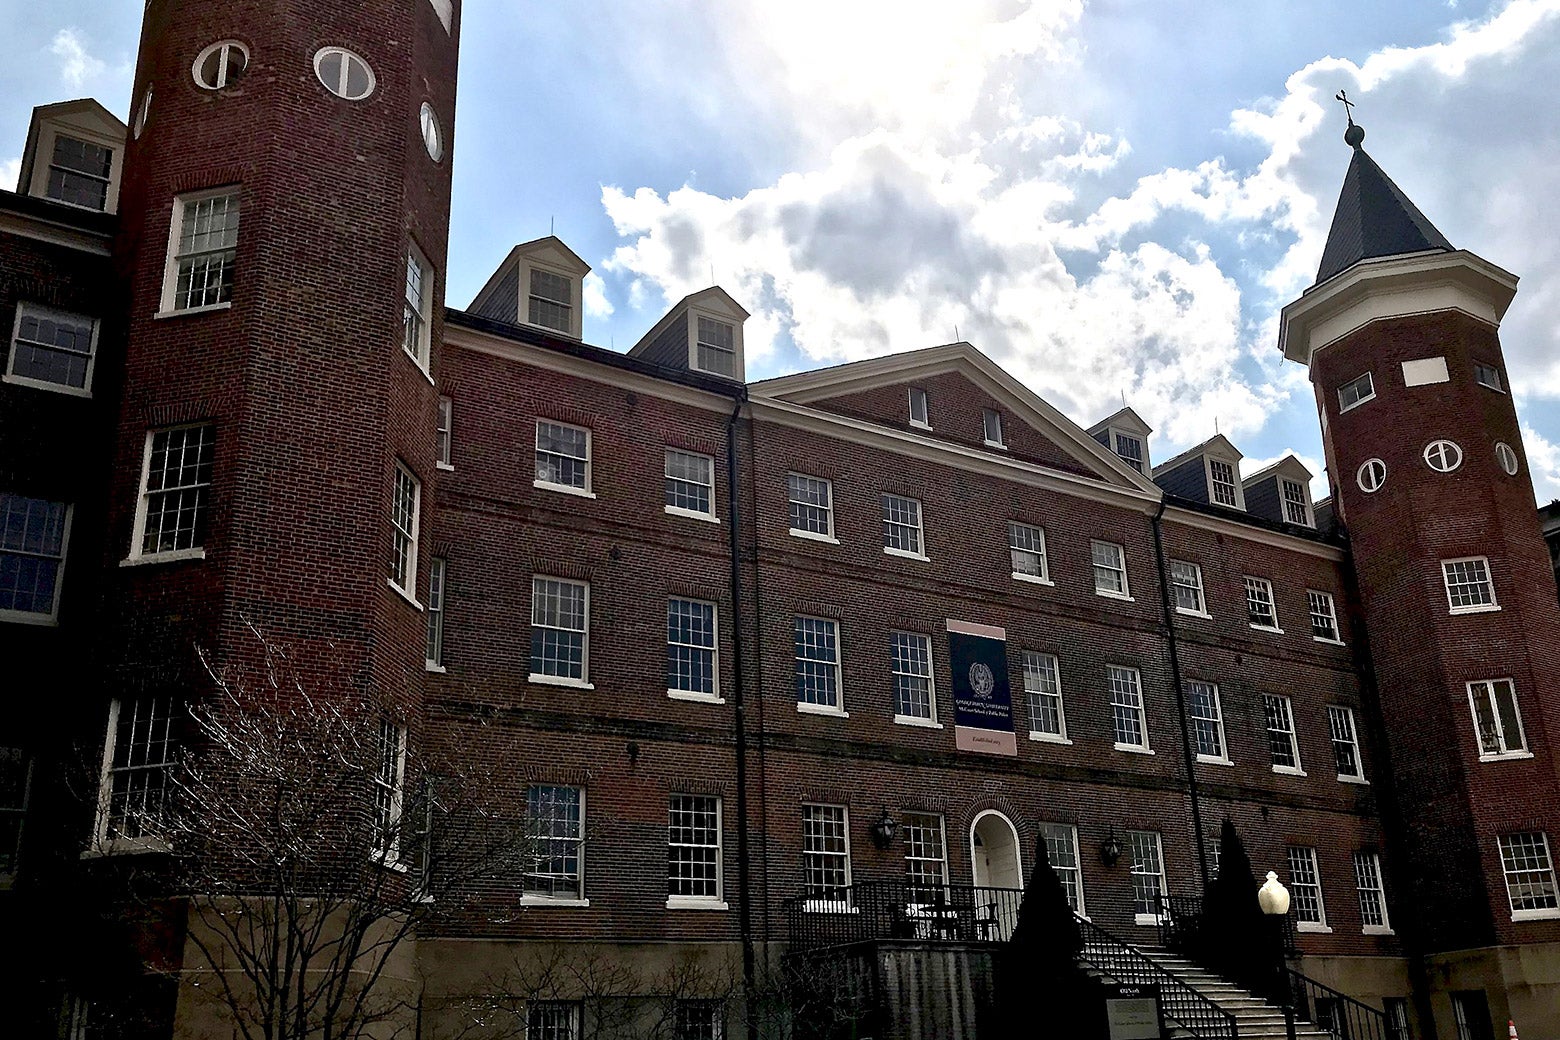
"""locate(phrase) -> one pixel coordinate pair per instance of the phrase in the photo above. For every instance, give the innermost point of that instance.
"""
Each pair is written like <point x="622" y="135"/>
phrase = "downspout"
<point x="739" y="708"/>
<point x="1180" y="693"/>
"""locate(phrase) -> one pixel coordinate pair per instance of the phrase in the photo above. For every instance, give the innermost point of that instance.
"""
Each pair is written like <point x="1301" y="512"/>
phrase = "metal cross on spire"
<point x="1348" y="106"/>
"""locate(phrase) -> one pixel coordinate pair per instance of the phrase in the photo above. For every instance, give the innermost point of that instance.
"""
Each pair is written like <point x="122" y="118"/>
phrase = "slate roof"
<point x="1374" y="219"/>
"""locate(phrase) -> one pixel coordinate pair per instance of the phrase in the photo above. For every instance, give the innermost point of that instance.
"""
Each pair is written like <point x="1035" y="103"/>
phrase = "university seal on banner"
<point x="981" y="681"/>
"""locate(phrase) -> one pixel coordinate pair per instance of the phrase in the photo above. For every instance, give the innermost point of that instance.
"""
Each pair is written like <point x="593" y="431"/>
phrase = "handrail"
<point x="1180" y="920"/>
<point x="1338" y="1013"/>
<point x="1181" y="1003"/>
<point x="876" y="910"/>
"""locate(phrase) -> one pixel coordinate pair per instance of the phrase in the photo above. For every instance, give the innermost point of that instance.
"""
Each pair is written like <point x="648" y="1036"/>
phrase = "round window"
<point x="1507" y="457"/>
<point x="1443" y="456"/>
<point x="1372" y="475"/>
<point x="221" y="64"/>
<point x="344" y="73"/>
<point x="433" y="140"/>
<point x="142" y="114"/>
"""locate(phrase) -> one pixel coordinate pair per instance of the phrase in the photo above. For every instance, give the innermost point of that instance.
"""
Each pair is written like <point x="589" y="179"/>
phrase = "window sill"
<point x="1312" y="928"/>
<point x="708" y="518"/>
<point x="1264" y="628"/>
<point x="44" y="384"/>
<point x="695" y="903"/>
<point x="822" y="709"/>
<point x="403" y="594"/>
<point x="445" y="466"/>
<point x="1042" y="737"/>
<point x="813" y="536"/>
<point x="1290" y="771"/>
<point x="1124" y="597"/>
<point x="1356" y="404"/>
<point x="208" y="309"/>
<point x="1134" y="749"/>
<point x="1376" y="929"/>
<point x="1359" y="781"/>
<point x="388" y="862"/>
<point x="175" y="556"/>
<point x="1194" y="613"/>
<point x="905" y="554"/>
<point x="995" y="444"/>
<point x="828" y="906"/>
<point x="1033" y="579"/>
<point x="1325" y="639"/>
<point x="1210" y="760"/>
<point x="916" y="720"/>
<point x="125" y="847"/>
<point x="698" y="698"/>
<point x="434" y="667"/>
<point x="559" y="902"/>
<point x="559" y="680"/>
<point x="1547" y="914"/>
<point x="1145" y="919"/>
<point x="562" y="489"/>
<point x="421" y="366"/>
<point x="27" y="617"/>
<point x="1484" y="608"/>
<point x="1506" y="756"/>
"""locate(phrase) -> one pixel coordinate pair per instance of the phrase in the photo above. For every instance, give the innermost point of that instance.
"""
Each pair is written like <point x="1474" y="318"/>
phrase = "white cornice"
<point x="54" y="233"/>
<point x="1262" y="536"/>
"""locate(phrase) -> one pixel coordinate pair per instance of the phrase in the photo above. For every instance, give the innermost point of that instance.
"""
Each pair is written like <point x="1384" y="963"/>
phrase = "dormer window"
<point x="551" y="303"/>
<point x="1297" y="502"/>
<point x="701" y="333"/>
<point x="1223" y="488"/>
<point x="1130" y="449"/>
<point x="714" y="347"/>
<point x="73" y="155"/>
<point x="79" y="173"/>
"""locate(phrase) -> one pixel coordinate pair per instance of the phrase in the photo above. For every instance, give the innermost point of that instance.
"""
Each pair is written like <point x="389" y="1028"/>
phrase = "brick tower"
<point x="1424" y="453"/>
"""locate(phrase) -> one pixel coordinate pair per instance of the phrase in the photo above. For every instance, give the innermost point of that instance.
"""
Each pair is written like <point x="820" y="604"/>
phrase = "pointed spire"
<point x="1374" y="218"/>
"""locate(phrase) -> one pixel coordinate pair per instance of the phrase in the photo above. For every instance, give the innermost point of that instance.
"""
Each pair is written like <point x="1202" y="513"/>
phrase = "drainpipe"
<point x="1180" y="694"/>
<point x="739" y="710"/>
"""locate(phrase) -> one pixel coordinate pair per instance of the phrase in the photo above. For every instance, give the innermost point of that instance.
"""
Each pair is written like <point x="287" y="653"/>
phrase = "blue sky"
<point x="1110" y="198"/>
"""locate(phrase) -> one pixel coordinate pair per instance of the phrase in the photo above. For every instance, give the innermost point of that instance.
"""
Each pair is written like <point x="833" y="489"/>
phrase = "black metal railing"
<point x="1181" y="921"/>
<point x="1181" y="1003"/>
<point x="873" y="910"/>
<point x="1326" y="1008"/>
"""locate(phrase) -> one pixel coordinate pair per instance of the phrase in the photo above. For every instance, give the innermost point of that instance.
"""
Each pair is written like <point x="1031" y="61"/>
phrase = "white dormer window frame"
<point x="1141" y="463"/>
<point x="920" y="416"/>
<point x="991" y="428"/>
<point x="576" y="285"/>
<point x="49" y="131"/>
<point x="1295" y="500"/>
<point x="1233" y="484"/>
<point x="695" y="317"/>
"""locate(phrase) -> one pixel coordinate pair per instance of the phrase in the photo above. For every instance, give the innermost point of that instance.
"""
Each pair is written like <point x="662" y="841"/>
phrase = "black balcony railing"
<point x="1181" y="926"/>
<point x="874" y="910"/>
<point x="1326" y="1008"/>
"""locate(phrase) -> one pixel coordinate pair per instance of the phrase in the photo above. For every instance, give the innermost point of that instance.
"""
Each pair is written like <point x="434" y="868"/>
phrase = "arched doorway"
<point x="996" y="862"/>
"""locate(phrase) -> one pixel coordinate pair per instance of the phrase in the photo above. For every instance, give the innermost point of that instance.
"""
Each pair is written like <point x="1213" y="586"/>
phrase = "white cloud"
<point x="596" y="303"/>
<point x="77" y="66"/>
<point x="1543" y="456"/>
<point x="10" y="171"/>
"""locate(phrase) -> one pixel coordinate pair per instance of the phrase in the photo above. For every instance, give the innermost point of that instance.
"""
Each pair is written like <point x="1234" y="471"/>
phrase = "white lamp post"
<point x="1273" y="898"/>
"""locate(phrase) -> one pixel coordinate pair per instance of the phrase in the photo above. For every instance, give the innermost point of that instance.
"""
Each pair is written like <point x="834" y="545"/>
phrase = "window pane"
<point x="911" y="665"/>
<point x="555" y="830"/>
<point x="690" y="481"/>
<point x="32" y="551"/>
<point x="562" y="455"/>
<point x="690" y="646"/>
<point x="558" y="628"/>
<point x="52" y="347"/>
<point x="825" y="853"/>
<point x="1126" y="702"/>
<point x="809" y="502"/>
<point x="178" y="481"/>
<point x="817" y="662"/>
<point x="141" y="768"/>
<point x="693" y="846"/>
<point x="1043" y="688"/>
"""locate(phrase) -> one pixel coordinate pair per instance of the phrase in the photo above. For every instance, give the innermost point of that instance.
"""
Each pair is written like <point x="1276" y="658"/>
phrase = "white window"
<point x="415" y="305"/>
<point x="1345" y="743"/>
<point x="1129" y="723"/>
<point x="693" y="851"/>
<point x="560" y="630"/>
<point x="1061" y="847"/>
<point x="389" y="785"/>
<point x="1305" y="887"/>
<point x="715" y="347"/>
<point x="1373" y="897"/>
<point x="433" y="137"/>
<point x="1027" y="545"/>
<point x="405" y="512"/>
<point x="1259" y="604"/>
<point x="220" y="65"/>
<point x="202" y="248"/>
<point x="551" y="301"/>
<point x="1187" y="584"/>
<point x="1356" y="392"/>
<point x="826" y="856"/>
<point x="692" y="654"/>
<point x="1148" y="875"/>
<point x="1488" y="375"/>
<point x="1497" y="721"/>
<point x="142" y="114"/>
<point x="343" y="73"/>
<point x="80" y="173"/>
<point x="33" y="536"/>
<point x="1443" y="456"/>
<point x="139" y="755"/>
<point x="690" y="484"/>
<point x="1530" y="875"/>
<point x="52" y="350"/>
<point x="1043" y="690"/>
<point x="915" y="698"/>
<point x="1506" y="456"/>
<point x="15" y="784"/>
<point x="1223" y="488"/>
<point x="991" y="426"/>
<point x="1110" y="569"/>
<point x="445" y="434"/>
<point x="811" y="503"/>
<point x="437" y="568"/>
<point x="1297" y="503"/>
<point x="1324" y="616"/>
<point x="1130" y="450"/>
<point x="918" y="408"/>
<point x="1371" y="476"/>
<point x="562" y="457"/>
<point x="902" y="535"/>
<point x="555" y="831"/>
<point x="175" y="502"/>
<point x="699" y="1020"/>
<point x="1207" y="721"/>
<point x="552" y="1020"/>
<point x="1468" y="586"/>
<point x="1283" y="743"/>
<point x="926" y="857"/>
<point x="817" y="665"/>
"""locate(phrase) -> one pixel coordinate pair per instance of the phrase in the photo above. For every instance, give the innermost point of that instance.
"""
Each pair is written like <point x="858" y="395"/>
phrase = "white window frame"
<point x="1479" y="368"/>
<point x="49" y="137"/>
<point x="684" y="901"/>
<point x="343" y="78"/>
<point x="991" y="419"/>
<point x="1443" y="456"/>
<point x="1196" y="586"/>
<point x="143" y="501"/>
<point x="1489" y="583"/>
<point x="1503" y="845"/>
<point x="226" y="48"/>
<point x="1035" y="550"/>
<point x="1214" y="484"/>
<point x="1287" y="710"/>
<point x="408" y="536"/>
<point x="1487" y="691"/>
<point x="912" y="506"/>
<point x="695" y="316"/>
<point x="147" y="841"/>
<point x="916" y="853"/>
<point x="582" y="681"/>
<point x="714" y="695"/>
<point x="589" y="464"/>
<point x="1343" y="730"/>
<point x="438" y="575"/>
<point x="1368" y="395"/>
<point x="1301" y="499"/>
<point x="828" y="508"/>
<point x="432" y="133"/>
<point x="1371" y="476"/>
<point x="389" y="787"/>
<point x="1321" y="605"/>
<point x="825" y="905"/>
<point x="1308" y="876"/>
<point x="1125" y="592"/>
<point x="1157" y="850"/>
<point x="419" y="311"/>
<point x="1506" y="458"/>
<point x="1113" y="673"/>
<point x="1043" y="681"/>
<point x="917" y="396"/>
<point x="1065" y="835"/>
<point x="811" y="707"/>
<point x="1368" y="884"/>
<point x="444" y="434"/>
<point x="1261" y="587"/>
<point x="52" y="615"/>
<point x="1216" y="720"/>
<point x="581" y="898"/>
<point x="1141" y="463"/>
<point x="575" y="285"/>
<point x="692" y="514"/>
<point x="898" y="675"/>
<point x="711" y="1013"/>
<point x="445" y="9"/>
<point x="32" y="310"/>
<point x="169" y="300"/>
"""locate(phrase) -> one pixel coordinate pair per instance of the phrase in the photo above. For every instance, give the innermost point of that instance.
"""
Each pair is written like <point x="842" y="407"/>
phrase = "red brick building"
<point x="762" y="644"/>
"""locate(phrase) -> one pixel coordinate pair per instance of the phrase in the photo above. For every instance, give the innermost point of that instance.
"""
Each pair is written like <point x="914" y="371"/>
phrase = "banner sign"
<point x="982" y="702"/>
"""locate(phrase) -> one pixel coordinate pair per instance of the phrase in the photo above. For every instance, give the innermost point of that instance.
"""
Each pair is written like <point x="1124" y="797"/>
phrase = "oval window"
<point x="143" y="113"/>
<point x="1443" y="456"/>
<point x="1507" y="457"/>
<point x="344" y="74"/>
<point x="221" y="64"/>
<point x="1372" y="475"/>
<point x="433" y="140"/>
